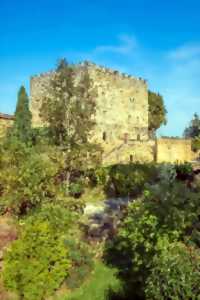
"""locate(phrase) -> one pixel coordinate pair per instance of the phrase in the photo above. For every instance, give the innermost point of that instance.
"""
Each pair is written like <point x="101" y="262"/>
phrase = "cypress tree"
<point x="22" y="123"/>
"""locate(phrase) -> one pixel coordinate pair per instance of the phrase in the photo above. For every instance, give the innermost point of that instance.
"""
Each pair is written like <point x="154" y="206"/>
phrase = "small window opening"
<point x="104" y="136"/>
<point x="125" y="138"/>
<point x="138" y="137"/>
<point x="131" y="158"/>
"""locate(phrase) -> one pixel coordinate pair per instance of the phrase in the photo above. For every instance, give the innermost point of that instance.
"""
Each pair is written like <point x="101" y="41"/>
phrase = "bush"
<point x="184" y="171"/>
<point x="38" y="262"/>
<point x="27" y="184"/>
<point x="82" y="263"/>
<point x="165" y="211"/>
<point x="76" y="189"/>
<point x="129" y="179"/>
<point x="175" y="273"/>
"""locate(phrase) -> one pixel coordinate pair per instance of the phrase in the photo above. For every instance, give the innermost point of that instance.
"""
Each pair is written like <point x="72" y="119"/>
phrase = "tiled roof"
<point x="6" y="117"/>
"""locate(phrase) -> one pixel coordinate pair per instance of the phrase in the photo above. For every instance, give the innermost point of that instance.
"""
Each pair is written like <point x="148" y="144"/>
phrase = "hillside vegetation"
<point x="141" y="237"/>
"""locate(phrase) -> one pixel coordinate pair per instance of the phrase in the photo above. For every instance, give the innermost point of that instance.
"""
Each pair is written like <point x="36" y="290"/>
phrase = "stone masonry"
<point x="6" y="122"/>
<point x="121" y="117"/>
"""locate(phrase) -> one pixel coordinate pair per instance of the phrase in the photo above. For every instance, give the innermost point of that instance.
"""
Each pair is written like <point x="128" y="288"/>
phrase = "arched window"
<point x="138" y="137"/>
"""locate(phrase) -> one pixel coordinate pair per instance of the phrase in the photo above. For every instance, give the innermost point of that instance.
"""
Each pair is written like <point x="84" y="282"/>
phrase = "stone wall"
<point x="122" y="103"/>
<point x="135" y="151"/>
<point x="38" y="89"/>
<point x="174" y="150"/>
<point x="5" y="123"/>
<point x="122" y="106"/>
<point x="121" y="117"/>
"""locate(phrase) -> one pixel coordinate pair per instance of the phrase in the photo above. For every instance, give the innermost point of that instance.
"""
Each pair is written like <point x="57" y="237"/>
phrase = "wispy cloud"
<point x="127" y="44"/>
<point x="185" y="52"/>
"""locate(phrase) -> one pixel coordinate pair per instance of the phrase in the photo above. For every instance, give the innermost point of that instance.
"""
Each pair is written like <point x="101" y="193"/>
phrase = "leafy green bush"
<point x="196" y="144"/>
<point x="167" y="210"/>
<point x="76" y="189"/>
<point x="129" y="179"/>
<point x="28" y="184"/>
<point x="38" y="262"/>
<point x="99" y="286"/>
<point x="82" y="263"/>
<point x="175" y="273"/>
<point x="184" y="171"/>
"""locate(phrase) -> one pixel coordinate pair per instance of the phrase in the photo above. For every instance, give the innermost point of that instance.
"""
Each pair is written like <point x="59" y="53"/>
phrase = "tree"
<point x="69" y="107"/>
<point x="193" y="130"/>
<point x="22" y="123"/>
<point x="68" y="110"/>
<point x="157" y="111"/>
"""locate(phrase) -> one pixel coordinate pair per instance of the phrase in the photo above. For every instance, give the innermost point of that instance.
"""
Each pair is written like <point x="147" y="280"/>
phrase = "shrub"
<point x="184" y="171"/>
<point x="166" y="211"/>
<point x="82" y="262"/>
<point x="28" y="184"/>
<point x="76" y="189"/>
<point x="174" y="204"/>
<point x="26" y="178"/>
<point x="129" y="179"/>
<point x="175" y="273"/>
<point x="38" y="262"/>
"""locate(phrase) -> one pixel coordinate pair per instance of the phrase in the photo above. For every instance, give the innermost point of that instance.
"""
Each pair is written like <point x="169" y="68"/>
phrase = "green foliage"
<point x="76" y="189"/>
<point x="124" y="180"/>
<point x="38" y="262"/>
<point x="167" y="211"/>
<point x="68" y="110"/>
<point x="184" y="171"/>
<point x="81" y="258"/>
<point x="193" y="130"/>
<point x="157" y="111"/>
<point x="27" y="179"/>
<point x="99" y="285"/>
<point x="175" y="273"/>
<point x="196" y="144"/>
<point x="22" y="123"/>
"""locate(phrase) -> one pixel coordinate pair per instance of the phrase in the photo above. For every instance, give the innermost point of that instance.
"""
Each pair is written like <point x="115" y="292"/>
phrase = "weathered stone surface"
<point x="6" y="122"/>
<point x="121" y="118"/>
<point x="174" y="150"/>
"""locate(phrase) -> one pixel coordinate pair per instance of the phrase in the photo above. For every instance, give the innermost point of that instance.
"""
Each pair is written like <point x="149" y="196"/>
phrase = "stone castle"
<point x="121" y="118"/>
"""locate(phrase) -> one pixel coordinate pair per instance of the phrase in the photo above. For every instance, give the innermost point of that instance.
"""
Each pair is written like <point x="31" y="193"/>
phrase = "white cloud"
<point x="185" y="52"/>
<point x="175" y="74"/>
<point x="127" y="44"/>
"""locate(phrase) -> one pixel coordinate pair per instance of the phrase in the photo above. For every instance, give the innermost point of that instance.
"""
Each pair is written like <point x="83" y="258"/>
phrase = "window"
<point x="138" y="137"/>
<point x="125" y="138"/>
<point x="131" y="158"/>
<point x="104" y="136"/>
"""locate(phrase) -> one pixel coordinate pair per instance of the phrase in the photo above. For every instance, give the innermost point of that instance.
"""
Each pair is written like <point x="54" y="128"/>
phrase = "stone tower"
<point x="122" y="103"/>
<point x="121" y="106"/>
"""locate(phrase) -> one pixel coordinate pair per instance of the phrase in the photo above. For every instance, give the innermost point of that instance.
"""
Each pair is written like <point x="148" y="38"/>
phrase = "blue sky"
<point x="158" y="40"/>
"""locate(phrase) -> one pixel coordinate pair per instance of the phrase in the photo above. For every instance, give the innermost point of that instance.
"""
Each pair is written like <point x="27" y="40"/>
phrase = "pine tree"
<point x="22" y="123"/>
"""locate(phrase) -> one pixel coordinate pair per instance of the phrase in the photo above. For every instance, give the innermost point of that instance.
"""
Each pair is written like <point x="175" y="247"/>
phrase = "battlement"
<point x="97" y="68"/>
<point x="121" y="102"/>
<point x="108" y="71"/>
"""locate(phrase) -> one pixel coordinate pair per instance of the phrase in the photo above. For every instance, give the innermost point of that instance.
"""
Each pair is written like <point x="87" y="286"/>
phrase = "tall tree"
<point x="56" y="110"/>
<point x="22" y="123"/>
<point x="193" y="130"/>
<point x="157" y="111"/>
<point x="69" y="107"/>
